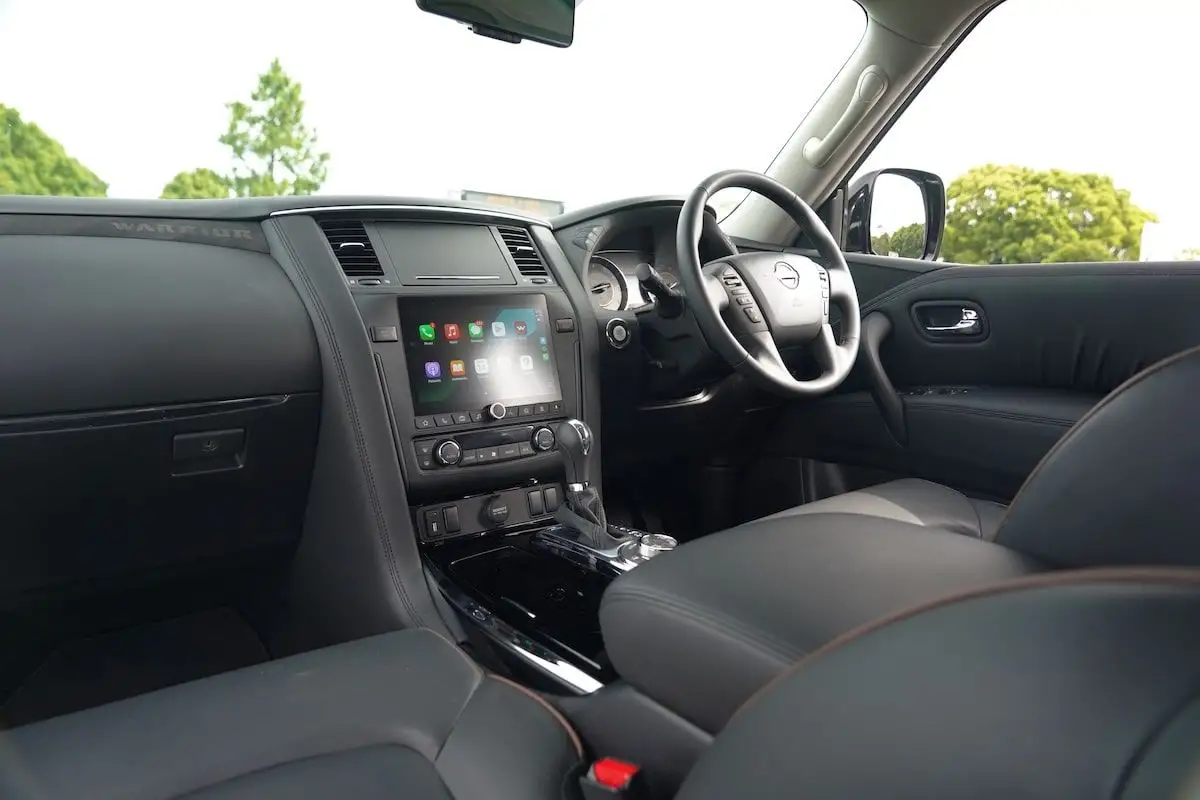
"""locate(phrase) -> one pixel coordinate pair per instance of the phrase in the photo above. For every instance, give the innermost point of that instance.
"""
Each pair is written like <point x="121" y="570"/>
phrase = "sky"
<point x="653" y="96"/>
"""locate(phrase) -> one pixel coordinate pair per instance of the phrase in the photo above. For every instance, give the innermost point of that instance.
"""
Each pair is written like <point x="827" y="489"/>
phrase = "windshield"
<point x="141" y="99"/>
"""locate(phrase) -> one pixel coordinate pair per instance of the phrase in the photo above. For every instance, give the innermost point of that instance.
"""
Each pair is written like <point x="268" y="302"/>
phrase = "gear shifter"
<point x="574" y="439"/>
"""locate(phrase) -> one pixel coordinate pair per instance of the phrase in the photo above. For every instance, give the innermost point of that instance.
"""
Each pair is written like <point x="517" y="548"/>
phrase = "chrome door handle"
<point x="967" y="324"/>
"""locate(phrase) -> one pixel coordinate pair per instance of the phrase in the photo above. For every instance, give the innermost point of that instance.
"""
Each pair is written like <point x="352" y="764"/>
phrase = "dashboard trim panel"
<point x="475" y="214"/>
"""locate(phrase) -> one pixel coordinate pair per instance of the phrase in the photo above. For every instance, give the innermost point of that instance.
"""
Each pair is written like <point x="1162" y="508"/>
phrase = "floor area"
<point x="89" y="672"/>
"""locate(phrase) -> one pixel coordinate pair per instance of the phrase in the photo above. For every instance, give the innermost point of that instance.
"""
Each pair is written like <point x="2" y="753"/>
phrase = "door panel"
<point x="981" y="411"/>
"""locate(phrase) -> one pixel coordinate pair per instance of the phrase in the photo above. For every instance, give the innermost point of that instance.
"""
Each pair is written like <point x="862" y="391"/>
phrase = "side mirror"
<point x="897" y="212"/>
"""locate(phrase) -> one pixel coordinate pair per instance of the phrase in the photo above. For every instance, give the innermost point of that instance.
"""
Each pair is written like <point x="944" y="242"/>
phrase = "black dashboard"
<point x="330" y="383"/>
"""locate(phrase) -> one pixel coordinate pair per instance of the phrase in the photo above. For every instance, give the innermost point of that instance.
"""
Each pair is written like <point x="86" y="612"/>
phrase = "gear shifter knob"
<point x="574" y="444"/>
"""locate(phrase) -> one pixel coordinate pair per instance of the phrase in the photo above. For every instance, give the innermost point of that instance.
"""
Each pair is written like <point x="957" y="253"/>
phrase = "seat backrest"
<point x="1070" y="684"/>
<point x="1122" y="487"/>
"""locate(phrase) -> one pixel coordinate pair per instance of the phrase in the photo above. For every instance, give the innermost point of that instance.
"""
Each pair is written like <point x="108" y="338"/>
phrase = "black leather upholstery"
<point x="399" y="715"/>
<point x="914" y="501"/>
<point x="1070" y="685"/>
<point x="702" y="628"/>
<point x="1117" y="490"/>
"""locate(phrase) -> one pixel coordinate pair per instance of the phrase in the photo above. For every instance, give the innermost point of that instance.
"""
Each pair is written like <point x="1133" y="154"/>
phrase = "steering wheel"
<point x="749" y="305"/>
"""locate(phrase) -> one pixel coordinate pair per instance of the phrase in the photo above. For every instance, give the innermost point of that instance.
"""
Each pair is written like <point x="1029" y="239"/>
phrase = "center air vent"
<point x="353" y="248"/>
<point x="520" y="245"/>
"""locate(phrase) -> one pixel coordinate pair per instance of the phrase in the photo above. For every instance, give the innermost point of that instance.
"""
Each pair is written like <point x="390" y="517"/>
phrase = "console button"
<point x="488" y="454"/>
<point x="450" y="515"/>
<point x="564" y="325"/>
<point x="551" y="499"/>
<point x="469" y="458"/>
<point x="384" y="333"/>
<point x="556" y="408"/>
<point x="525" y="448"/>
<point x="509" y="451"/>
<point x="434" y="526"/>
<point x="443" y="420"/>
<point x="495" y="510"/>
<point x="525" y="411"/>
<point x="752" y="314"/>
<point x="476" y="416"/>
<point x="461" y="418"/>
<point x="540" y="409"/>
<point x="425" y="462"/>
<point x="424" y="447"/>
<point x="536" y="508"/>
<point x="424" y="423"/>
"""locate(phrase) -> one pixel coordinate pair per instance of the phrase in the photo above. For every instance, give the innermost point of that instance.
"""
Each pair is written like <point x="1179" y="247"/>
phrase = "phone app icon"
<point x="520" y="327"/>
<point x="458" y="368"/>
<point x="475" y="329"/>
<point x="545" y="356"/>
<point x="482" y="367"/>
<point x="498" y="328"/>
<point x="542" y="341"/>
<point x="433" y="370"/>
<point x="452" y="332"/>
<point x="527" y="363"/>
<point x="427" y="332"/>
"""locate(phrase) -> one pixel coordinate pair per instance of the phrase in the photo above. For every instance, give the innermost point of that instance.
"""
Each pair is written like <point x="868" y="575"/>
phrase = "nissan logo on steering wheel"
<point x="786" y="274"/>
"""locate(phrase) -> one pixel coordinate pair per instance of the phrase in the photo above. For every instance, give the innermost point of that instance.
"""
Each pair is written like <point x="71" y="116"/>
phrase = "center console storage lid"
<point x="702" y="628"/>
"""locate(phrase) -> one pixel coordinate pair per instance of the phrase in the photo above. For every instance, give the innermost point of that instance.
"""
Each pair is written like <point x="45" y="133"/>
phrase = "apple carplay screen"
<point x="465" y="353"/>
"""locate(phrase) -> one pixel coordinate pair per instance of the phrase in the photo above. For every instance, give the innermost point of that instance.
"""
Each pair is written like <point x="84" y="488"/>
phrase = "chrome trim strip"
<point x="684" y="402"/>
<point x="465" y="212"/>
<point x="511" y="640"/>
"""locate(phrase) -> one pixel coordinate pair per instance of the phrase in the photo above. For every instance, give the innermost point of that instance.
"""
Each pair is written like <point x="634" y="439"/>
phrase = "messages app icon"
<point x="427" y="332"/>
<point x="475" y="329"/>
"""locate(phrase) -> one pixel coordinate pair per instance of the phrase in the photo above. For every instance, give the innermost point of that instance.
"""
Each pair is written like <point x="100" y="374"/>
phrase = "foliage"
<point x="196" y="184"/>
<point x="1016" y="215"/>
<point x="274" y="152"/>
<point x="907" y="241"/>
<point x="1189" y="254"/>
<point x="33" y="163"/>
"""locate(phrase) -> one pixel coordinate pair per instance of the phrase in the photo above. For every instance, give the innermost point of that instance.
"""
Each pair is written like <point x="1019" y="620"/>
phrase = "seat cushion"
<point x="401" y="715"/>
<point x="703" y="627"/>
<point x="916" y="502"/>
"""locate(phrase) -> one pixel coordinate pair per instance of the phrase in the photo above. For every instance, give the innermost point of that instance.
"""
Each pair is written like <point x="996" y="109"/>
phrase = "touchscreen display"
<point x="465" y="353"/>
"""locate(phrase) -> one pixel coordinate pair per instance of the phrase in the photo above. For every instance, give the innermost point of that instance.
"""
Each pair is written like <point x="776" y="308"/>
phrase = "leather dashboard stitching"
<point x="364" y="458"/>
<point x="1081" y="577"/>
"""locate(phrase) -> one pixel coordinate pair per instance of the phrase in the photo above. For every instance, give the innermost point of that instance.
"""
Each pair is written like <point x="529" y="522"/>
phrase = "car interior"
<point x="383" y="496"/>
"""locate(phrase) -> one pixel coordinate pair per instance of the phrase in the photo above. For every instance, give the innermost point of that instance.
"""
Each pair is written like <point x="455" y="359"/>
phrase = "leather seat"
<point x="728" y="611"/>
<point x="915" y="502"/>
<point x="1077" y="685"/>
<point x="400" y="715"/>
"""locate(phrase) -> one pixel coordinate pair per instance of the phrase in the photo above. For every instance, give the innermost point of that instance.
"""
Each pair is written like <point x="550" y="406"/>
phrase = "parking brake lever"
<point x="667" y="301"/>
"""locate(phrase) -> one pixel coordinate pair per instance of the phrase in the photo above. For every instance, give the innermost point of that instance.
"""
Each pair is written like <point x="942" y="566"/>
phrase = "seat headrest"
<point x="1122" y="487"/>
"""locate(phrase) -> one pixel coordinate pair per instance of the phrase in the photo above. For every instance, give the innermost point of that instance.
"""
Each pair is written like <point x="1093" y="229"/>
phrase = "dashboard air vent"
<point x="520" y="245"/>
<point x="353" y="248"/>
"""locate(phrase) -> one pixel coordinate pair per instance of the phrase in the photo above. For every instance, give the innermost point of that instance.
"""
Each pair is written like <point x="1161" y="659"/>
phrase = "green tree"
<point x="1015" y="215"/>
<point x="274" y="152"/>
<point x="907" y="241"/>
<point x="1189" y="254"/>
<point x="33" y="163"/>
<point x="196" y="184"/>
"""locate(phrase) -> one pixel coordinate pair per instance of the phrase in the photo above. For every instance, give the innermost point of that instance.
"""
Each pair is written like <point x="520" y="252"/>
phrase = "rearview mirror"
<point x="546" y="21"/>
<point x="896" y="212"/>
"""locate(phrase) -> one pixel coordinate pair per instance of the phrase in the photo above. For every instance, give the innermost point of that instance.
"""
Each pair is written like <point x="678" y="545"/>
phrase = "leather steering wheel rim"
<point x="751" y="349"/>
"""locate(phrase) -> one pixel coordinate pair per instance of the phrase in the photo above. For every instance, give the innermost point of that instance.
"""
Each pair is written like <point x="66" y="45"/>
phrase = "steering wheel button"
<point x="739" y="292"/>
<point x="752" y="314"/>
<point x="744" y="300"/>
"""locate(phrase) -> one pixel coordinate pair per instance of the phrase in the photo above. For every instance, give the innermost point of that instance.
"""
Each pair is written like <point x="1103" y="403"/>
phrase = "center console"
<point x="481" y="361"/>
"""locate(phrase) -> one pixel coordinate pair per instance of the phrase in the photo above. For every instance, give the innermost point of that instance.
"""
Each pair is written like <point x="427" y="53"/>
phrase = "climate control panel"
<point x="476" y="448"/>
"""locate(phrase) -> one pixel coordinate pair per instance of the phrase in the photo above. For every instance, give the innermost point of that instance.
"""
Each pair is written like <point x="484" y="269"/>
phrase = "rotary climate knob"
<point x="448" y="453"/>
<point x="543" y="439"/>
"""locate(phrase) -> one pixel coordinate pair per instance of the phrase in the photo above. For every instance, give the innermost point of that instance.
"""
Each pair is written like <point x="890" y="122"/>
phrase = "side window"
<point x="1062" y="132"/>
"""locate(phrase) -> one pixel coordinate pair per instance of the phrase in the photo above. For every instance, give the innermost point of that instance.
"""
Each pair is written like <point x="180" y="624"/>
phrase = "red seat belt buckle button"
<point x="611" y="778"/>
